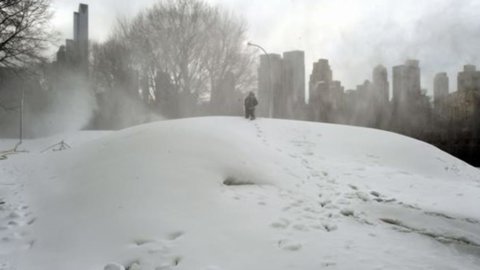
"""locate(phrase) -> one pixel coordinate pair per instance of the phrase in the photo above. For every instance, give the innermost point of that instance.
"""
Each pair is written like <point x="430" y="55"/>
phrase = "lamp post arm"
<point x="258" y="46"/>
<point x="270" y="75"/>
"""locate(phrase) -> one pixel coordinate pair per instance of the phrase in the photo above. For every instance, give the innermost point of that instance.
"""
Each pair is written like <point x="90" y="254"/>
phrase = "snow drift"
<point x="227" y="193"/>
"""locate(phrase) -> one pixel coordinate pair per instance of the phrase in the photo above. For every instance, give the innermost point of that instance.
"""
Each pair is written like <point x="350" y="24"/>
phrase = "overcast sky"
<point x="355" y="35"/>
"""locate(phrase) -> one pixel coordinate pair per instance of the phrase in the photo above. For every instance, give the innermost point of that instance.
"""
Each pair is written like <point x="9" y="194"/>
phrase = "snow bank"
<point x="227" y="193"/>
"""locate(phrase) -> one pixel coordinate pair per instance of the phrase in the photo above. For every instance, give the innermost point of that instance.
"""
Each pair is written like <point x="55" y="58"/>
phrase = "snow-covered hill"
<point x="231" y="194"/>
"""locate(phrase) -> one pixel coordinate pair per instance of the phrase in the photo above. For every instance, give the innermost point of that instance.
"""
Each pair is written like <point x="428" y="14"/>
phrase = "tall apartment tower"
<point x="406" y="83"/>
<point x="293" y="96"/>
<point x="80" y="35"/>
<point x="321" y="73"/>
<point x="440" y="88"/>
<point x="380" y="85"/>
<point x="398" y="75"/>
<point x="323" y="92"/>
<point x="320" y="80"/>
<point x="413" y="86"/>
<point x="468" y="79"/>
<point x="270" y="85"/>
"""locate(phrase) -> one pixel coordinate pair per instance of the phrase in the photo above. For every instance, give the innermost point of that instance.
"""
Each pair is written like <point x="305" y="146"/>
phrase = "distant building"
<point x="320" y="79"/>
<point x="364" y="89"/>
<point x="410" y="108"/>
<point x="325" y="94"/>
<point x="281" y="85"/>
<point x="398" y="81"/>
<point x="406" y="84"/>
<point x="379" y="100"/>
<point x="270" y="85"/>
<point x="75" y="51"/>
<point x="293" y="96"/>
<point x="380" y="85"/>
<point x="440" y="89"/>
<point x="80" y="36"/>
<point x="468" y="79"/>
<point x="321" y="73"/>
<point x="62" y="55"/>
<point x="336" y="88"/>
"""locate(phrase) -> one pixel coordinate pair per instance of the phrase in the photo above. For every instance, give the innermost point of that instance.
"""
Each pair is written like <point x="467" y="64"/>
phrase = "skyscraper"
<point x="440" y="88"/>
<point x="270" y="84"/>
<point x="320" y="79"/>
<point x="412" y="73"/>
<point x="406" y="83"/>
<point x="380" y="83"/>
<point x="469" y="79"/>
<point x="293" y="96"/>
<point x="398" y="80"/>
<point x="80" y="36"/>
<point x="321" y="73"/>
<point x="324" y="93"/>
<point x="74" y="53"/>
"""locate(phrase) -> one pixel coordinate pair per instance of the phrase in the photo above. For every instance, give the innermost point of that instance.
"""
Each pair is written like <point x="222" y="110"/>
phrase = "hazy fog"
<point x="354" y="34"/>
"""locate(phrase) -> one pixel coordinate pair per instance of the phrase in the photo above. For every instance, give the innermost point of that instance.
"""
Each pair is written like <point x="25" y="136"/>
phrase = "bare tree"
<point x="192" y="43"/>
<point x="24" y="31"/>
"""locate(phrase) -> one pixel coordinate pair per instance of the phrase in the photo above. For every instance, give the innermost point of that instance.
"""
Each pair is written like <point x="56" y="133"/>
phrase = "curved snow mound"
<point x="227" y="193"/>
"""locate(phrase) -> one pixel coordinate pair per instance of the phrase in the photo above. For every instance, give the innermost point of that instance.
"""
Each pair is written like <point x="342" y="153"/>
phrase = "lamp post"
<point x="270" y="86"/>
<point x="21" y="116"/>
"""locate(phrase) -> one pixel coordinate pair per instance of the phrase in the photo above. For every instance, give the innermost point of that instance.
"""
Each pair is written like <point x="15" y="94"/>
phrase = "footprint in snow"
<point x="329" y="227"/>
<point x="300" y="227"/>
<point x="141" y="241"/>
<point x="353" y="187"/>
<point x="289" y="245"/>
<point x="281" y="224"/>
<point x="471" y="220"/>
<point x="175" y="235"/>
<point x="328" y="264"/>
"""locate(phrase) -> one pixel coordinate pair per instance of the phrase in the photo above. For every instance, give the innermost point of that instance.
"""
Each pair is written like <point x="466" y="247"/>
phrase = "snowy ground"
<point x="231" y="194"/>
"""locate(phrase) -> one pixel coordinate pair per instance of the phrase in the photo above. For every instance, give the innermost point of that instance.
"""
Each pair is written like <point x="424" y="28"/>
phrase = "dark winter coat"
<point x="250" y="102"/>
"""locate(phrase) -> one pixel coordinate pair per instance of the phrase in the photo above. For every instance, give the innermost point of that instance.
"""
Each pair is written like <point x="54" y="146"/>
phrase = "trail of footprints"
<point x="319" y="214"/>
<point x="15" y="224"/>
<point x="260" y="134"/>
<point x="157" y="254"/>
<point x="323" y="213"/>
<point x="330" y="204"/>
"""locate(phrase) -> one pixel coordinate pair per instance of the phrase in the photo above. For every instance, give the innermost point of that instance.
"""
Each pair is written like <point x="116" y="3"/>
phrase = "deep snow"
<point x="227" y="193"/>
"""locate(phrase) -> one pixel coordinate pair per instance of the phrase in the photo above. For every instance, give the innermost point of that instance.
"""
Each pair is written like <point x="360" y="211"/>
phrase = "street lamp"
<point x="21" y="117"/>
<point x="258" y="46"/>
<point x="270" y="86"/>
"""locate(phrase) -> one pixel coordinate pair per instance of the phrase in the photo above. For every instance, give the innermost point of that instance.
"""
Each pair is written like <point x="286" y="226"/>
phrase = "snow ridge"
<point x="227" y="193"/>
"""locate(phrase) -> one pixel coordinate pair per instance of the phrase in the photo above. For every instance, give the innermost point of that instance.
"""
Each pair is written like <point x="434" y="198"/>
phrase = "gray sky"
<point x="355" y="35"/>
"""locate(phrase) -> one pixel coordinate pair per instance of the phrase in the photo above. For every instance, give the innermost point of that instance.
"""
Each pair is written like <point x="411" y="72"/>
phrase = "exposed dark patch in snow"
<point x="175" y="235"/>
<point x="141" y="242"/>
<point x="114" y="266"/>
<point x="347" y="212"/>
<point x="233" y="181"/>
<point x="289" y="245"/>
<point x="442" y="238"/>
<point x="438" y="215"/>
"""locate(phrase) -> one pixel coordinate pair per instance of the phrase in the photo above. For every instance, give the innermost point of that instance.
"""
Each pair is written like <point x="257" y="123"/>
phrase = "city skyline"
<point x="355" y="40"/>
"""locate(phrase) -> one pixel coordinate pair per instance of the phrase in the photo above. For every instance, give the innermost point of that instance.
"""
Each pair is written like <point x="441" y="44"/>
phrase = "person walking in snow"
<point x="250" y="103"/>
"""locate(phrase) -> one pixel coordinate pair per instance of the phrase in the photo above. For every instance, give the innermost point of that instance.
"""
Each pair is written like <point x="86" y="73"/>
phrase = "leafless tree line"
<point x="176" y="54"/>
<point x="24" y="31"/>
